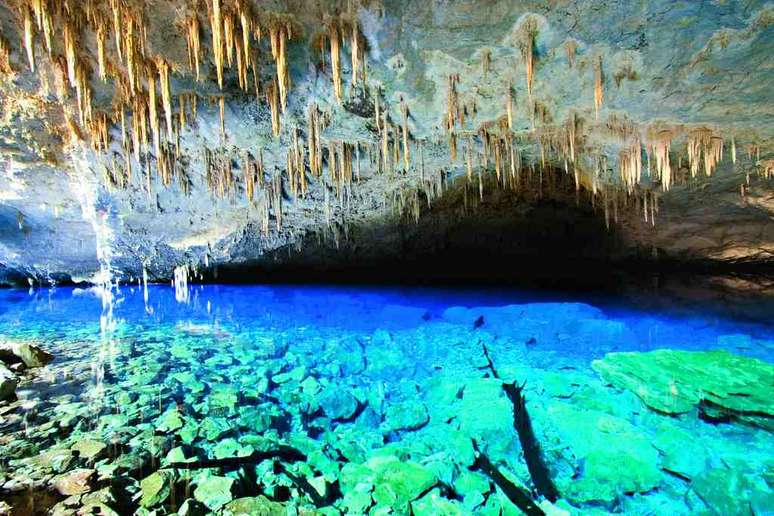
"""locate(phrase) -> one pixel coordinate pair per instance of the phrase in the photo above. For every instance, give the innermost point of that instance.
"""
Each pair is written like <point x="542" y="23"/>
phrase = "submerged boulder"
<point x="337" y="402"/>
<point x="29" y="354"/>
<point x="596" y="457"/>
<point x="215" y="492"/>
<point x="156" y="487"/>
<point x="250" y="506"/>
<point x="8" y="384"/>
<point x="674" y="382"/>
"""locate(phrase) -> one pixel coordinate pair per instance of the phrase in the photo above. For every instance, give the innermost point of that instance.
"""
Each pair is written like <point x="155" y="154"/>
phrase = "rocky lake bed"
<point x="411" y="412"/>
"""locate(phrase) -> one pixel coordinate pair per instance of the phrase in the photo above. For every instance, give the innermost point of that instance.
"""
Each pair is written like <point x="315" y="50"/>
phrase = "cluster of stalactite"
<point x="151" y="117"/>
<point x="329" y="43"/>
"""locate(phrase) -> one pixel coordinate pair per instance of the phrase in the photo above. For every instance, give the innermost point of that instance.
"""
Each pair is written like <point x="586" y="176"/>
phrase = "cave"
<point x="371" y="257"/>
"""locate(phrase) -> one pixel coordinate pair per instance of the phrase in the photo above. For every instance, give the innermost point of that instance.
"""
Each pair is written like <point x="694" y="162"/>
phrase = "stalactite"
<point x="117" y="27"/>
<point x="272" y="96"/>
<point x="452" y="102"/>
<point x="5" y="56"/>
<point x="385" y="142"/>
<point x="630" y="161"/>
<point x="659" y="148"/>
<point x="193" y="34"/>
<point x="404" y="112"/>
<point x="527" y="43"/>
<point x="597" y="86"/>
<point x="70" y="53"/>
<point x="469" y="160"/>
<point x="509" y="107"/>
<point x="279" y="33"/>
<point x="357" y="52"/>
<point x="29" y="41"/>
<point x="153" y="112"/>
<point x="166" y="93"/>
<point x="101" y="58"/>
<point x="570" y="46"/>
<point x="702" y="143"/>
<point x="228" y="36"/>
<point x="733" y="151"/>
<point x="216" y="27"/>
<point x="222" y="114"/>
<point x="335" y="40"/>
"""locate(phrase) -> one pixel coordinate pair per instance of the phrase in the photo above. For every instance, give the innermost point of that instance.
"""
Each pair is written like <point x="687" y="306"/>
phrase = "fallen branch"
<point x="520" y="497"/>
<point x="284" y="453"/>
<point x="533" y="456"/>
<point x="538" y="470"/>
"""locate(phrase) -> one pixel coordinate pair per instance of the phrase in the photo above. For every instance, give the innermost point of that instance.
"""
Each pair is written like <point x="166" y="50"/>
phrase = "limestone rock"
<point x="337" y="402"/>
<point x="674" y="382"/>
<point x="409" y="415"/>
<point x="8" y="384"/>
<point x="156" y="487"/>
<point x="74" y="482"/>
<point x="89" y="449"/>
<point x="253" y="506"/>
<point x="215" y="492"/>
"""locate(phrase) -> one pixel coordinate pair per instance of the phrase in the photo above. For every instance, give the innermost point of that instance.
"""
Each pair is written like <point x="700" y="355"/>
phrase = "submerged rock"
<point x="89" y="449"/>
<point x="254" y="506"/>
<point x="674" y="382"/>
<point x="29" y="354"/>
<point x="730" y="493"/>
<point x="75" y="482"/>
<point x="8" y="383"/>
<point x="337" y="402"/>
<point x="596" y="457"/>
<point x="409" y="415"/>
<point x="215" y="492"/>
<point x="156" y="487"/>
<point x="395" y="482"/>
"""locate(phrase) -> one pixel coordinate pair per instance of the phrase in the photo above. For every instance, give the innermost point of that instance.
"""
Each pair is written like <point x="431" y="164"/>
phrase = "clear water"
<point x="383" y="390"/>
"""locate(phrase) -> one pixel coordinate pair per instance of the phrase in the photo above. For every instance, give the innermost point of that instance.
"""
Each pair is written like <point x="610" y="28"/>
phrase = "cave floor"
<point x="296" y="399"/>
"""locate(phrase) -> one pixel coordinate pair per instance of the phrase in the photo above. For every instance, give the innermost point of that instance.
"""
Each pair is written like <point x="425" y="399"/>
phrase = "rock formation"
<point x="137" y="137"/>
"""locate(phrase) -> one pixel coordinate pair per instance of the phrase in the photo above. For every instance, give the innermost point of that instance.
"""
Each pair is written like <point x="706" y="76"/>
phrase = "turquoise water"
<point x="386" y="397"/>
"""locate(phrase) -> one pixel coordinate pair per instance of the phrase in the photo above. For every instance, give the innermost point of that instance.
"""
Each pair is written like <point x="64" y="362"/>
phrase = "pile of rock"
<point x="15" y="357"/>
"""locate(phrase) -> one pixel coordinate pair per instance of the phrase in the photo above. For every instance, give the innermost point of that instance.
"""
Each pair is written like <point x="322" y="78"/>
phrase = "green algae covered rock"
<point x="432" y="504"/>
<point x="728" y="492"/>
<point x="215" y="492"/>
<point x="337" y="403"/>
<point x="156" y="487"/>
<point x="393" y="483"/>
<point x="396" y="482"/>
<point x="89" y="449"/>
<point x="170" y="421"/>
<point x="596" y="457"/>
<point x="674" y="382"/>
<point x="253" y="506"/>
<point x="409" y="415"/>
<point x="681" y="452"/>
<point x="608" y="473"/>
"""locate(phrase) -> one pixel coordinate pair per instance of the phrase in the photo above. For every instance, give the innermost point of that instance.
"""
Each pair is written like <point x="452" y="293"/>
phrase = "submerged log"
<point x="520" y="497"/>
<point x="529" y="443"/>
<point x="284" y="453"/>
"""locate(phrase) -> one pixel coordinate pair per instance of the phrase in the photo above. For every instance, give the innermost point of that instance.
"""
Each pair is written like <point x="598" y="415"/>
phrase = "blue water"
<point x="382" y="372"/>
<point x="56" y="312"/>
